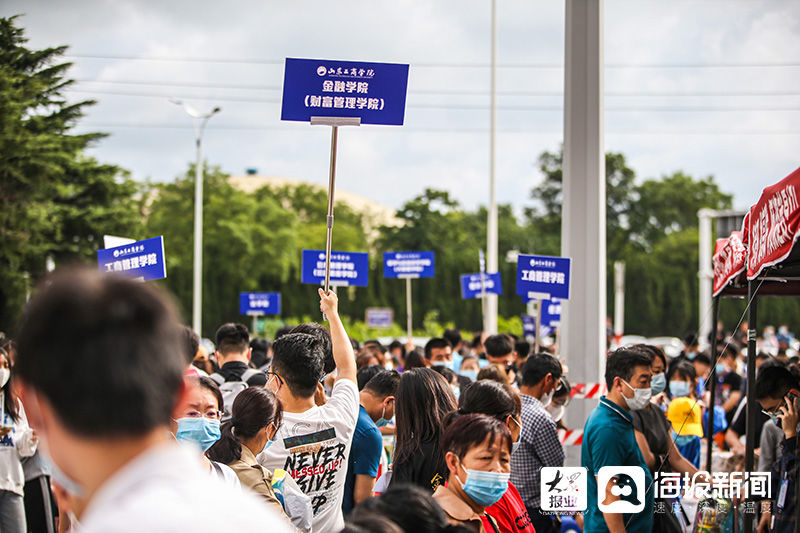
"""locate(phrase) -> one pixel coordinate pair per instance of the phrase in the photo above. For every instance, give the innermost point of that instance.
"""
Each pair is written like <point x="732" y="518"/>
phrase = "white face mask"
<point x="555" y="411"/>
<point x="4" y="375"/>
<point x="547" y="398"/>
<point x="640" y="399"/>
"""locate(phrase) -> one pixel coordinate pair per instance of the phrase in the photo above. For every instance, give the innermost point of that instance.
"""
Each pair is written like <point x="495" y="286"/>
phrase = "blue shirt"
<point x="608" y="440"/>
<point x="365" y="456"/>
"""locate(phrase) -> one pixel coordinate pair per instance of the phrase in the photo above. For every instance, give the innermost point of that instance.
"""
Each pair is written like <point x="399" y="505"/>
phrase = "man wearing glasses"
<point x="313" y="443"/>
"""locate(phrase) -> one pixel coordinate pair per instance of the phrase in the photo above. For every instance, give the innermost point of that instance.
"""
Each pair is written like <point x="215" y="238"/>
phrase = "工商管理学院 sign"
<point x="373" y="92"/>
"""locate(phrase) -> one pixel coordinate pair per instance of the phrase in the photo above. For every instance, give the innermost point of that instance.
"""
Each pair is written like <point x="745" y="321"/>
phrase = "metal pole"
<point x="408" y="308"/>
<point x="713" y="379"/>
<point x="490" y="313"/>
<point x="619" y="298"/>
<point x="329" y="220"/>
<point x="255" y="326"/>
<point x="197" y="289"/>
<point x="752" y="403"/>
<point x="705" y="273"/>
<point x="537" y="340"/>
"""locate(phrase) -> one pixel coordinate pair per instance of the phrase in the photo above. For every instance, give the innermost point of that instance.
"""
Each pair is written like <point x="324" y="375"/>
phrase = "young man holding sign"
<point x="313" y="443"/>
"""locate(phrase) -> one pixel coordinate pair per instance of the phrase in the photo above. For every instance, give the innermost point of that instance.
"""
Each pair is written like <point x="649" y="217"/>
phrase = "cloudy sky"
<point x="707" y="87"/>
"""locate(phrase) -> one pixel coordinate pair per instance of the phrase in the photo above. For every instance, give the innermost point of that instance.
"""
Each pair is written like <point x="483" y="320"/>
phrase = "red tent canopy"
<point x="729" y="260"/>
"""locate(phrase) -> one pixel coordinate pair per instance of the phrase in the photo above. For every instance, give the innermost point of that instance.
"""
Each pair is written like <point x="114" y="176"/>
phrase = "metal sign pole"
<point x="255" y="325"/>
<point x="408" y="308"/>
<point x="537" y="340"/>
<point x="482" y="264"/>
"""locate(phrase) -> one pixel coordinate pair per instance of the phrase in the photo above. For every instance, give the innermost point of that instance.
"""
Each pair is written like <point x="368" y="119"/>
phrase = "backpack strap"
<point x="218" y="379"/>
<point x="249" y="373"/>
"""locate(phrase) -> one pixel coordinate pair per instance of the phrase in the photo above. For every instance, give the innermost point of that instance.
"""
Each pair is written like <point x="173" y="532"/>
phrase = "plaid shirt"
<point x="539" y="446"/>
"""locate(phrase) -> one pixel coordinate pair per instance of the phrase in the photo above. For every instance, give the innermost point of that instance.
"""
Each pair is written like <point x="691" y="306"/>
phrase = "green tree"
<point x="54" y="200"/>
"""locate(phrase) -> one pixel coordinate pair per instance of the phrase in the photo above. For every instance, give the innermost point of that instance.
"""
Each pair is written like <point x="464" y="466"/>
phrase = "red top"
<point x="510" y="513"/>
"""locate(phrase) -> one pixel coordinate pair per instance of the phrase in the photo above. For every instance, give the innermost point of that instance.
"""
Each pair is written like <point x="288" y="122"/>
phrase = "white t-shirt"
<point x="16" y="444"/>
<point x="313" y="448"/>
<point x="168" y="489"/>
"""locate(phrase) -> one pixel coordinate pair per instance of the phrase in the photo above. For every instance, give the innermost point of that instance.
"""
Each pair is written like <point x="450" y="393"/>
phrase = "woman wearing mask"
<point x="256" y="417"/>
<point x="478" y="455"/>
<point x="503" y="404"/>
<point x="652" y="432"/>
<point x="199" y="420"/>
<point x="423" y="399"/>
<point x="558" y="403"/>
<point x="16" y="440"/>
<point x="685" y="412"/>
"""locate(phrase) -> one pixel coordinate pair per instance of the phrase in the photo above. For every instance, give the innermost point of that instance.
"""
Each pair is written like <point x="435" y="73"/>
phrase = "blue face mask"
<point x="471" y="374"/>
<point x="679" y="389"/>
<point x="447" y="364"/>
<point x="720" y="368"/>
<point x="382" y="421"/>
<point x="691" y="355"/>
<point x="485" y="488"/>
<point x="658" y="383"/>
<point x="201" y="431"/>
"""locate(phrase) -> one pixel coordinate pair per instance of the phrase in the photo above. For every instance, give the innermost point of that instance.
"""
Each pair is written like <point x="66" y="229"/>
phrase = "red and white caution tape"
<point x="588" y="391"/>
<point x="570" y="437"/>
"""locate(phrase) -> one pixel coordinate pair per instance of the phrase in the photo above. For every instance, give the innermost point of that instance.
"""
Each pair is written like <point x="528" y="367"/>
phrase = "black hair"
<point x="253" y="409"/>
<point x="283" y="330"/>
<point x="362" y="361"/>
<point x="651" y="351"/>
<point x="447" y="373"/>
<point x="397" y="344"/>
<point x="683" y="369"/>
<point x="436" y="342"/>
<point x="370" y="523"/>
<point x="383" y="384"/>
<point x="377" y="344"/>
<point x="260" y="349"/>
<point x="690" y="339"/>
<point x="453" y="336"/>
<point x="489" y="398"/>
<point x="498" y="345"/>
<point x="211" y="385"/>
<point x="523" y="348"/>
<point x="564" y="388"/>
<point x="463" y="432"/>
<point x="423" y="399"/>
<point x="191" y="342"/>
<point x="414" y="359"/>
<point x="702" y="358"/>
<point x="621" y="363"/>
<point x="774" y="382"/>
<point x="298" y="358"/>
<point x="232" y="338"/>
<point x="324" y="336"/>
<point x="104" y="350"/>
<point x="9" y="398"/>
<point x="367" y="373"/>
<point x="538" y="366"/>
<point x="394" y="504"/>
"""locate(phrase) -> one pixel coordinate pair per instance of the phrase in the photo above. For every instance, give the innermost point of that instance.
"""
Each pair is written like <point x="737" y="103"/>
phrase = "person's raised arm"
<point x="342" y="349"/>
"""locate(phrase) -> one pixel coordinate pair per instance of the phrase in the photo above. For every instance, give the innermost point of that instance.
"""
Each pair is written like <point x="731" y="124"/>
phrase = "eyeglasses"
<point x="274" y="382"/>
<point x="211" y="415"/>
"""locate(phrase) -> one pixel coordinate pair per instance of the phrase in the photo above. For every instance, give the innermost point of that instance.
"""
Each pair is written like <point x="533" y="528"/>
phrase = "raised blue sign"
<point x="142" y="260"/>
<point x="542" y="277"/>
<point x="551" y="312"/>
<point x="348" y="269"/>
<point x="260" y="303"/>
<point x="373" y="92"/>
<point x="408" y="265"/>
<point x="379" y="317"/>
<point x="471" y="285"/>
<point x="529" y="327"/>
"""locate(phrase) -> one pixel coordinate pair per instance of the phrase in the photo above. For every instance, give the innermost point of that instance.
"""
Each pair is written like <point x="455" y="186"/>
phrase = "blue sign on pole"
<point x="260" y="303"/>
<point x="471" y="285"/>
<point x="142" y="260"/>
<point x="348" y="269"/>
<point x="379" y="317"/>
<point x="529" y="327"/>
<point x="551" y="312"/>
<point x="542" y="277"/>
<point x="410" y="265"/>
<point x="373" y="92"/>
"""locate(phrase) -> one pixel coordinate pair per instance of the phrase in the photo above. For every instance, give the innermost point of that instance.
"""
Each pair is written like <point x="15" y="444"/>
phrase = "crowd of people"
<point x="115" y="417"/>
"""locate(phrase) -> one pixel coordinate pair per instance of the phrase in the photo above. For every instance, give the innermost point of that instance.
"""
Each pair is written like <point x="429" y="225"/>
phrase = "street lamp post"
<point x="199" y="121"/>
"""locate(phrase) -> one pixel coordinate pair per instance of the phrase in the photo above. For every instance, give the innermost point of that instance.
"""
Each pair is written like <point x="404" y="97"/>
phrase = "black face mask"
<point x="511" y="367"/>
